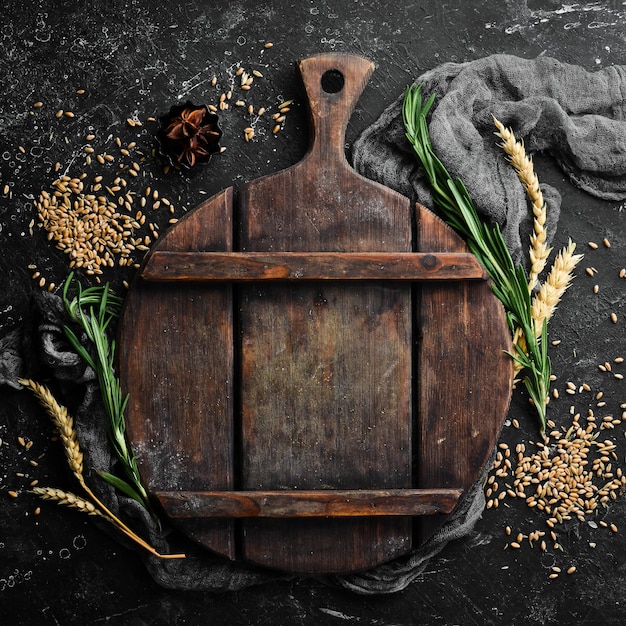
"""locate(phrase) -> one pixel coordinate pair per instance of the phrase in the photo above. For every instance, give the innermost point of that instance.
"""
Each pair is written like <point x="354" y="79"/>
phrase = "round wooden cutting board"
<point x="316" y="368"/>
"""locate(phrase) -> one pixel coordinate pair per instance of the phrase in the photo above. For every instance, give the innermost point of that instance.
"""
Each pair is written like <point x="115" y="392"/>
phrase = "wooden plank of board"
<point x="326" y="368"/>
<point x="176" y="364"/>
<point x="465" y="375"/>
<point x="312" y="503"/>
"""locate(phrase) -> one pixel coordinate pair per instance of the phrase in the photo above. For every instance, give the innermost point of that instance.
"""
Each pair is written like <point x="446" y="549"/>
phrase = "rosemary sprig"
<point x="93" y="309"/>
<point x="509" y="283"/>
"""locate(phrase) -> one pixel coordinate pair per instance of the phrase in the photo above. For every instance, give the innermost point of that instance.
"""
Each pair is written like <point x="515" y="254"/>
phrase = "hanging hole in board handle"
<point x="332" y="81"/>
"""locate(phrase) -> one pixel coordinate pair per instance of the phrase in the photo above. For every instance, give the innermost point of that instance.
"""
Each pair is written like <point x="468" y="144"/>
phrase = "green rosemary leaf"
<point x="473" y="227"/>
<point x="78" y="346"/>
<point x="121" y="485"/>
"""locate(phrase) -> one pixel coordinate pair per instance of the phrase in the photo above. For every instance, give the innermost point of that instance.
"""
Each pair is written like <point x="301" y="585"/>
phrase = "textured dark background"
<point x="136" y="59"/>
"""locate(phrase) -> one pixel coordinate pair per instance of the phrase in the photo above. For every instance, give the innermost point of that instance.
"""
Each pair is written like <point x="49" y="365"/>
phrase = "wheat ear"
<point x="523" y="166"/>
<point x="551" y="291"/>
<point x="68" y="499"/>
<point x="76" y="502"/>
<point x="65" y="425"/>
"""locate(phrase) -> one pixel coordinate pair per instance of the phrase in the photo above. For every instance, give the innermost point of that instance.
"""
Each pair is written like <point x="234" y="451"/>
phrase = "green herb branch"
<point x="93" y="309"/>
<point x="509" y="283"/>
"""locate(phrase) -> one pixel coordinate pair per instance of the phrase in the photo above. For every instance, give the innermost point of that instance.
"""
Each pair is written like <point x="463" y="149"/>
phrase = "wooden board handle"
<point x="333" y="83"/>
<point x="309" y="503"/>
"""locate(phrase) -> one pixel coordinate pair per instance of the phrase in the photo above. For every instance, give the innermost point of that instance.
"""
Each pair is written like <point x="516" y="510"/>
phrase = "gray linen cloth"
<point x="574" y="115"/>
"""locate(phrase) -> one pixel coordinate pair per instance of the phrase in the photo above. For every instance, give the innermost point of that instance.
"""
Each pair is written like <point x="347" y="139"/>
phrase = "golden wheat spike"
<point x="551" y="291"/>
<point x="63" y="422"/>
<point x="523" y="166"/>
<point x="68" y="499"/>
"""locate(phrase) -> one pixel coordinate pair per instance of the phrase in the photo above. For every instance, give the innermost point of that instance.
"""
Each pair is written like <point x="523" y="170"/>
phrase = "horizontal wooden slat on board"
<point x="255" y="266"/>
<point x="311" y="503"/>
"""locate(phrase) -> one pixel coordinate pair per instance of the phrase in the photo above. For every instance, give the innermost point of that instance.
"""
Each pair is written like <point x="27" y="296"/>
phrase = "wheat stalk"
<point x="69" y="437"/>
<point x="523" y="166"/>
<point x="68" y="499"/>
<point x="76" y="502"/>
<point x="558" y="280"/>
<point x="64" y="424"/>
<point x="560" y="276"/>
<point x="518" y="340"/>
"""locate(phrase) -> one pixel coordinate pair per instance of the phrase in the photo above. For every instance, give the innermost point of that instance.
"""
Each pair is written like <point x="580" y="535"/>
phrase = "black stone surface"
<point x="135" y="59"/>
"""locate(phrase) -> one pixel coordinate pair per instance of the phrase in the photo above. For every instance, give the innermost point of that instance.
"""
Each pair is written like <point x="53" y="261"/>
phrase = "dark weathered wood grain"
<point x="465" y="377"/>
<point x="176" y="362"/>
<point x="326" y="397"/>
<point x="326" y="400"/>
<point x="313" y="503"/>
<point x="307" y="266"/>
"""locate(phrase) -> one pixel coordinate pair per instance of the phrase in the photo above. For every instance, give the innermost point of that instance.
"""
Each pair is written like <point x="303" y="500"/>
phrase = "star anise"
<point x="189" y="134"/>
